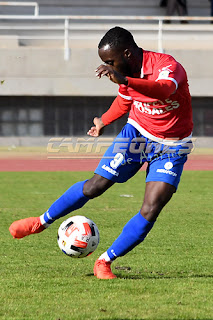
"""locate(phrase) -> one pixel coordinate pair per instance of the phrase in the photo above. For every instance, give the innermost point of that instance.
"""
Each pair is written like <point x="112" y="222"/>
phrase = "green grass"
<point x="169" y="276"/>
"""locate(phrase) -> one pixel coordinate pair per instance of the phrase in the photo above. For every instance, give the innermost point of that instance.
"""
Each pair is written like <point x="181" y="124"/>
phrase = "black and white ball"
<point x="78" y="237"/>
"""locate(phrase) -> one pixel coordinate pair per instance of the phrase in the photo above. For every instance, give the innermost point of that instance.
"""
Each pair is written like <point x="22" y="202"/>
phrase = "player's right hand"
<point x="111" y="73"/>
<point x="97" y="130"/>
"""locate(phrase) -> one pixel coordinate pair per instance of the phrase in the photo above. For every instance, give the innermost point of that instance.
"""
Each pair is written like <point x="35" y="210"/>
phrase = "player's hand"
<point x="114" y="76"/>
<point x="97" y="130"/>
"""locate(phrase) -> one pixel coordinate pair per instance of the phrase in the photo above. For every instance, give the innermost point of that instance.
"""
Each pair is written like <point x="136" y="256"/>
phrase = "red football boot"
<point x="102" y="270"/>
<point x="24" y="227"/>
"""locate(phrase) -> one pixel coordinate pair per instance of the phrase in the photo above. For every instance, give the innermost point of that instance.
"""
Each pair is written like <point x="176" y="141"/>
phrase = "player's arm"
<point x="119" y="107"/>
<point x="171" y="75"/>
<point x="160" y="89"/>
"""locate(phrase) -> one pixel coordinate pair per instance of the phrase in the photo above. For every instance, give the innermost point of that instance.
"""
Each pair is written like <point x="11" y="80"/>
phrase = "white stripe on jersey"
<point x="168" y="78"/>
<point x="125" y="97"/>
<point x="156" y="139"/>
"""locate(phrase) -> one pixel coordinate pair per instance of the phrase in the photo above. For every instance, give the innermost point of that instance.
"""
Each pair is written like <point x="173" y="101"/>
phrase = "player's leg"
<point x="162" y="180"/>
<point x="157" y="194"/>
<point x="110" y="169"/>
<point x="78" y="194"/>
<point x="95" y="186"/>
<point x="74" y="198"/>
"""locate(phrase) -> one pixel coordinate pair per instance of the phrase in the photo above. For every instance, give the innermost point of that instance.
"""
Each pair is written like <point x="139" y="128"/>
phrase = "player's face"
<point x="118" y="60"/>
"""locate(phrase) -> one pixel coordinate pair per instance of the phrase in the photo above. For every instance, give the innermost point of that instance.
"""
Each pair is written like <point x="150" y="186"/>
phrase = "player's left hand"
<point x="114" y="76"/>
<point x="97" y="130"/>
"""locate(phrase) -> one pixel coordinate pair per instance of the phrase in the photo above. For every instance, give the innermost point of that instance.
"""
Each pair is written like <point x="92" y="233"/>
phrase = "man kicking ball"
<point x="153" y="88"/>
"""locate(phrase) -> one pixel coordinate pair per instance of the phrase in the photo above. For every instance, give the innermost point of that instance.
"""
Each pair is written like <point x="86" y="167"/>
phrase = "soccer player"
<point x="153" y="88"/>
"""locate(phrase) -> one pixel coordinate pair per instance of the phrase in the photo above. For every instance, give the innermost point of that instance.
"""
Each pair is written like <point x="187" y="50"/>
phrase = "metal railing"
<point x="22" y="4"/>
<point x="158" y="25"/>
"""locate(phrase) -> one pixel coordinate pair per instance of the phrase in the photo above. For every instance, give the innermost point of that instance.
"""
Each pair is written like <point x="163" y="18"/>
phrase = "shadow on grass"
<point x="153" y="276"/>
<point x="143" y="277"/>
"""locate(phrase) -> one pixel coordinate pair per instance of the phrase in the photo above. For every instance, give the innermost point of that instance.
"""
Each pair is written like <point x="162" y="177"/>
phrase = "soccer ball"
<point x="78" y="237"/>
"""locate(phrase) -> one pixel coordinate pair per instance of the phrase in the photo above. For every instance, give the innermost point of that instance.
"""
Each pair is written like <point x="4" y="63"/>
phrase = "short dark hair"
<point x="117" y="37"/>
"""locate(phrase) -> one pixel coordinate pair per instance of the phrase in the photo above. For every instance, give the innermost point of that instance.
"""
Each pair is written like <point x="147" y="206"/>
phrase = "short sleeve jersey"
<point x="167" y="119"/>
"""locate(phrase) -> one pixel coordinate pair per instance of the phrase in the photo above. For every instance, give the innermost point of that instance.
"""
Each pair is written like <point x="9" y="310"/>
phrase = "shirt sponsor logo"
<point x="171" y="173"/>
<point x="110" y="170"/>
<point x="148" y="108"/>
<point x="163" y="75"/>
<point x="167" y="68"/>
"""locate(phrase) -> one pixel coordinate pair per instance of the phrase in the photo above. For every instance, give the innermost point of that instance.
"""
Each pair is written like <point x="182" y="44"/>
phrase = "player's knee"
<point x="91" y="190"/>
<point x="96" y="186"/>
<point x="150" y="211"/>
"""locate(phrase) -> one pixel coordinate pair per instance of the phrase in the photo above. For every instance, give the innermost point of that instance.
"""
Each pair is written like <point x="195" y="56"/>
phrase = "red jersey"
<point x="169" y="118"/>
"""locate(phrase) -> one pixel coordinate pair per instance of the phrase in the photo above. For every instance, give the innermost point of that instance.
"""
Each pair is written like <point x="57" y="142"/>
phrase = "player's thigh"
<point x="117" y="169"/>
<point x="119" y="164"/>
<point x="166" y="169"/>
<point x="163" y="177"/>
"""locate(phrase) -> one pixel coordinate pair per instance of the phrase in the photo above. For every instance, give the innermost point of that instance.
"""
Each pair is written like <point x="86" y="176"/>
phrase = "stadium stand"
<point x="109" y="7"/>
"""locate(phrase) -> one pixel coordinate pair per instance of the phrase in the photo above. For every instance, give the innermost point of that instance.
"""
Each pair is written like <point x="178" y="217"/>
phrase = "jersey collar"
<point x="146" y="65"/>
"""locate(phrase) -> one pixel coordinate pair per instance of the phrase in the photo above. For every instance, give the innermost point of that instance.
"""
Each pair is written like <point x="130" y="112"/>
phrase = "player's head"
<point x="118" y="49"/>
<point x="117" y="38"/>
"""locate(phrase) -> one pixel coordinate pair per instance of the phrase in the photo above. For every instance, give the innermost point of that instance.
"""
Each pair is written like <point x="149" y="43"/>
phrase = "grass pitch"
<point x="168" y="276"/>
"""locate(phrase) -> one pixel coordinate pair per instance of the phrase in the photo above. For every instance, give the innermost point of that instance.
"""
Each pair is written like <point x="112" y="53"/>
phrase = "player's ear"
<point x="127" y="53"/>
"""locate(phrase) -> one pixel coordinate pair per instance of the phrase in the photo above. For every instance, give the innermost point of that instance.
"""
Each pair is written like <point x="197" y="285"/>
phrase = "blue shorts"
<point x="130" y="150"/>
